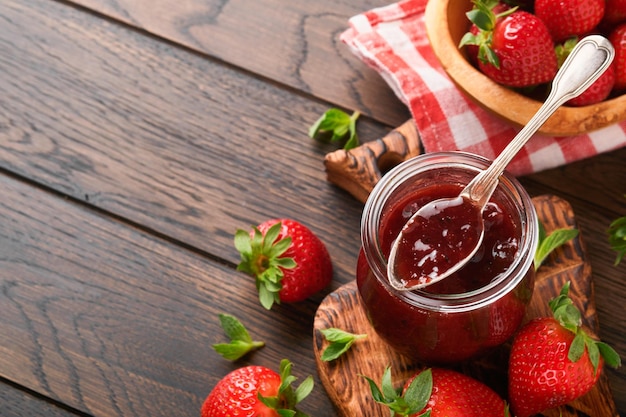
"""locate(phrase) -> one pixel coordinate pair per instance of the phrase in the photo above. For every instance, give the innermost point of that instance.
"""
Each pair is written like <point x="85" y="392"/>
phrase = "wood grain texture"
<point x="112" y="321"/>
<point x="343" y="309"/>
<point x="185" y="156"/>
<point x="289" y="47"/>
<point x="18" y="403"/>
<point x="135" y="137"/>
<point x="358" y="170"/>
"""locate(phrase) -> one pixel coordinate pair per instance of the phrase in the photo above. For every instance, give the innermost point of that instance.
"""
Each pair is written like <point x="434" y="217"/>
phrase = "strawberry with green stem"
<point x="554" y="361"/>
<point x="289" y="262"/>
<point x="514" y="47"/>
<point x="438" y="392"/>
<point x="257" y="391"/>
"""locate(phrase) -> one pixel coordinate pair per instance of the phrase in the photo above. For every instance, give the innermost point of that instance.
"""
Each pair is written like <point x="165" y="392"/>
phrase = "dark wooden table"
<point x="136" y="136"/>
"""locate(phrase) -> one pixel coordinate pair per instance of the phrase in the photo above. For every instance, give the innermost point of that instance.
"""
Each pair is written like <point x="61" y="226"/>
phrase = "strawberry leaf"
<point x="340" y="342"/>
<point x="577" y="348"/>
<point x="288" y="398"/>
<point x="617" y="238"/>
<point x="414" y="399"/>
<point x="336" y="126"/>
<point x="387" y="385"/>
<point x="570" y="318"/>
<point x="594" y="353"/>
<point x="549" y="243"/>
<point x="609" y="355"/>
<point x="419" y="391"/>
<point x="240" y="341"/>
<point x="304" y="389"/>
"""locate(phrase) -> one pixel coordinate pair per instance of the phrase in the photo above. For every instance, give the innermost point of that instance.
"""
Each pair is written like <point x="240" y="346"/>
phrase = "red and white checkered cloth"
<point x="393" y="41"/>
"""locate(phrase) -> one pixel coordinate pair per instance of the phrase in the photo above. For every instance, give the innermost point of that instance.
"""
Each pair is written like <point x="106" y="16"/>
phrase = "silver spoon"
<point x="452" y="245"/>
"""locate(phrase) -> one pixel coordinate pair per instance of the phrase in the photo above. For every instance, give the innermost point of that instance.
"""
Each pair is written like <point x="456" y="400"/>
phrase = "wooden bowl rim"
<point x="506" y="103"/>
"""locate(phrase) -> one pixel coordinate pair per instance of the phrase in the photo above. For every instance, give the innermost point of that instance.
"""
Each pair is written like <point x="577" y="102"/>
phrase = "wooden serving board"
<point x="370" y="356"/>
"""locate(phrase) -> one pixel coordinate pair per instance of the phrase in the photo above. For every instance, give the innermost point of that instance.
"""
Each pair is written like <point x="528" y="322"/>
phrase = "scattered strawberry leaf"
<point x="240" y="341"/>
<point x="340" y="342"/>
<point x="336" y="126"/>
<point x="548" y="243"/>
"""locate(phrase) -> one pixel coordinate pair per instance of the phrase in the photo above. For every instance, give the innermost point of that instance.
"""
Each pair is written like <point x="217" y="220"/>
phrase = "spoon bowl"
<point x="443" y="235"/>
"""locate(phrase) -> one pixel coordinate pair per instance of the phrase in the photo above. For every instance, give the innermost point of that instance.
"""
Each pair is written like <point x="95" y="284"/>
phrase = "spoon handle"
<point x="587" y="61"/>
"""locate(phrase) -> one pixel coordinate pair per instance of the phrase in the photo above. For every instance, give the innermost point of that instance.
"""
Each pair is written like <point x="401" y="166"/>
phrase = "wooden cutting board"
<point x="370" y="356"/>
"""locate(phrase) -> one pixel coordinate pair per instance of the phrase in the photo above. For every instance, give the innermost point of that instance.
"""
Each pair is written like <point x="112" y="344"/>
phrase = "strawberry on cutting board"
<point x="439" y="392"/>
<point x="514" y="47"/>
<point x="290" y="263"/>
<point x="554" y="361"/>
<point x="254" y="391"/>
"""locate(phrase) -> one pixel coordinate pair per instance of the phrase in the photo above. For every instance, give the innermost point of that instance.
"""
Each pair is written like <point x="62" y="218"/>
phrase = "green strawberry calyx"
<point x="288" y="398"/>
<point x="414" y="399"/>
<point x="483" y="16"/>
<point x="568" y="315"/>
<point x="261" y="257"/>
<point x="240" y="340"/>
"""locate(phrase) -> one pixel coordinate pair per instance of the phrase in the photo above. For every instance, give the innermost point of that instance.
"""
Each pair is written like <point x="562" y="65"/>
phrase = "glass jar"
<point x="478" y="307"/>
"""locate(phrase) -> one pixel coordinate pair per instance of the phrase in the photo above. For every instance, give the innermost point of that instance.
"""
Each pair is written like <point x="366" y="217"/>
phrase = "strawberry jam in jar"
<point x="476" y="308"/>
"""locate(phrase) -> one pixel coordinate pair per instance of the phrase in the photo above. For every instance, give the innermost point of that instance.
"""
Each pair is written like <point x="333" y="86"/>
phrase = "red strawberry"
<point x="614" y="12"/>
<point x="567" y="18"/>
<point x="618" y="40"/>
<point x="553" y="361"/>
<point x="514" y="50"/>
<point x="599" y="90"/>
<point x="290" y="263"/>
<point x="256" y="391"/>
<point x="440" y="392"/>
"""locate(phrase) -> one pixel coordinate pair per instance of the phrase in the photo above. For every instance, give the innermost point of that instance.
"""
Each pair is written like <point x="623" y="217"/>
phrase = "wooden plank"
<point x="290" y="47"/>
<point x="18" y="403"/>
<point x="344" y="309"/>
<point x="186" y="147"/>
<point x="112" y="321"/>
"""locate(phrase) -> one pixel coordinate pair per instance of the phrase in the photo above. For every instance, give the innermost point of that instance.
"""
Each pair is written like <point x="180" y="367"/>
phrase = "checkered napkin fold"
<point x="392" y="40"/>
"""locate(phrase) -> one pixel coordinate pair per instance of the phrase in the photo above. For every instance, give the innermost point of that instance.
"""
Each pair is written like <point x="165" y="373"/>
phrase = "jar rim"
<point x="498" y="287"/>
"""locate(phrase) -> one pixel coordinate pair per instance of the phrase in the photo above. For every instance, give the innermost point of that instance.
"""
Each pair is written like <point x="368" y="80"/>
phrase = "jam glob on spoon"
<point x="437" y="240"/>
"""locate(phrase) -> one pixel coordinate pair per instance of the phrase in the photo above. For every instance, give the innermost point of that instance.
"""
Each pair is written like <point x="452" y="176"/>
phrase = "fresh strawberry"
<point x="618" y="40"/>
<point x="553" y="361"/>
<point x="256" y="391"/>
<point x="439" y="392"/>
<point x="289" y="261"/>
<point x="567" y="18"/>
<point x="497" y="10"/>
<point x="597" y="91"/>
<point x="614" y="12"/>
<point x="515" y="50"/>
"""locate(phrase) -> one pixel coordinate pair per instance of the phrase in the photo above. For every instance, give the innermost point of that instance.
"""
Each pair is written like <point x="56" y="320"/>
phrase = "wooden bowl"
<point x="446" y="23"/>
